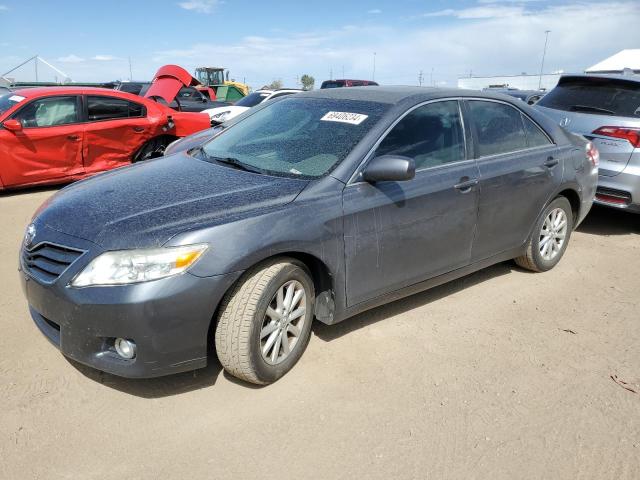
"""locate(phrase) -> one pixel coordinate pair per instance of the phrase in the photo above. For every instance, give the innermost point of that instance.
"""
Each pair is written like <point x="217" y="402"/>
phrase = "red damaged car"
<point x="60" y="134"/>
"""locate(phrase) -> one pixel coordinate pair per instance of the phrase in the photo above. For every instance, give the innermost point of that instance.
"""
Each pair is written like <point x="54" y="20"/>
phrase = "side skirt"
<point x="425" y="285"/>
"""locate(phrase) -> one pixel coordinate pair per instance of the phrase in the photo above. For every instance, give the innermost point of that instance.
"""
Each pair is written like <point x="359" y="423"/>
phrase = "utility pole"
<point x="544" y="52"/>
<point x="36" y="66"/>
<point x="431" y="79"/>
<point x="374" y="66"/>
<point x="130" y="70"/>
<point x="420" y="76"/>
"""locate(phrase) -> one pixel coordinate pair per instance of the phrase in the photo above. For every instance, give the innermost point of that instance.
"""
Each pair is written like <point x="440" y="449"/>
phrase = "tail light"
<point x="593" y="154"/>
<point x="632" y="135"/>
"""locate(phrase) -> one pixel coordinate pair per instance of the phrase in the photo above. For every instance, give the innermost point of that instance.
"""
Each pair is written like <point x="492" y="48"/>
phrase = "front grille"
<point x="46" y="261"/>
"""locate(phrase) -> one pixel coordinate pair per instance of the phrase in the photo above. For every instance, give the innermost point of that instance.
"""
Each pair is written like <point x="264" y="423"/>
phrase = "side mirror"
<point x="12" y="125"/>
<point x="392" y="168"/>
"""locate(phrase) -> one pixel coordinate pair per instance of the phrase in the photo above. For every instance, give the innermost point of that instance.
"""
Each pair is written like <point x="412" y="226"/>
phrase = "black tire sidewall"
<point x="542" y="264"/>
<point x="270" y="373"/>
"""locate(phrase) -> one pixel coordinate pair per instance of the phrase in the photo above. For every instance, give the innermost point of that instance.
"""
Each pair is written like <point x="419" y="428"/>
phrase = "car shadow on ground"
<point x="609" y="221"/>
<point x="328" y="333"/>
<point x="159" y="387"/>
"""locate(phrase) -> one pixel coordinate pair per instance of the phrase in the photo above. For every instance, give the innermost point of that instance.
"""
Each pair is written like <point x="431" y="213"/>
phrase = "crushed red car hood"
<point x="168" y="81"/>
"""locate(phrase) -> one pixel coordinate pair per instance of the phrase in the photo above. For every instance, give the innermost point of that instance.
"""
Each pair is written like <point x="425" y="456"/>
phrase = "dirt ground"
<point x="500" y="375"/>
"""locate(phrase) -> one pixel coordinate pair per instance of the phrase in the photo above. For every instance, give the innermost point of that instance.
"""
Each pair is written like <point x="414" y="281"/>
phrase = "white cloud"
<point x="375" y="11"/>
<point x="104" y="58"/>
<point x="489" y="11"/>
<point x="201" y="6"/>
<point x="70" y="59"/>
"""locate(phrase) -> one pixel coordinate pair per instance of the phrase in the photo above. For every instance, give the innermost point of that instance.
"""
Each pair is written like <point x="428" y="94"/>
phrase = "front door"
<point x="400" y="233"/>
<point x="49" y="146"/>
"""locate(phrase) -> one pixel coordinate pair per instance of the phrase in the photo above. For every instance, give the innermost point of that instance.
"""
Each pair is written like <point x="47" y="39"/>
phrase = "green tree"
<point x="307" y="82"/>
<point x="275" y="85"/>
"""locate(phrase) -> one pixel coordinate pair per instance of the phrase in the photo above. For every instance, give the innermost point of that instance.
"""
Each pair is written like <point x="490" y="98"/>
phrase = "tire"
<point x="245" y="328"/>
<point x="544" y="251"/>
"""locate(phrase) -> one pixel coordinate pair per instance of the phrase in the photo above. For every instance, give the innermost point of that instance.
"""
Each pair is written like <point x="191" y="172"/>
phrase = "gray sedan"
<point x="314" y="207"/>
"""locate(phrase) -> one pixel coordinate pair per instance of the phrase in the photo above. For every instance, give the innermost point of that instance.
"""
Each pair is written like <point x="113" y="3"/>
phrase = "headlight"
<point x="134" y="266"/>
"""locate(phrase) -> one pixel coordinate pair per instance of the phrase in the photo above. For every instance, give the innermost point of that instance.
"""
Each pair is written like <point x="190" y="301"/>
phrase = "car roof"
<point x="397" y="94"/>
<point x="63" y="90"/>
<point x="615" y="76"/>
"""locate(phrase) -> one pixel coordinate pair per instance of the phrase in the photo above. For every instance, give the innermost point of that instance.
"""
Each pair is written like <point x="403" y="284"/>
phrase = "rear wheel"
<point x="550" y="237"/>
<point x="265" y="321"/>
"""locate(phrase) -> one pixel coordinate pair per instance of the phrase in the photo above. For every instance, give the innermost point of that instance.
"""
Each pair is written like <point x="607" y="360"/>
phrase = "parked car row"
<point x="314" y="206"/>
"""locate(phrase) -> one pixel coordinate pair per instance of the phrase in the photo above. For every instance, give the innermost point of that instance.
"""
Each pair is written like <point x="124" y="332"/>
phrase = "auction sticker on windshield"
<point x="345" y="117"/>
<point x="16" y="98"/>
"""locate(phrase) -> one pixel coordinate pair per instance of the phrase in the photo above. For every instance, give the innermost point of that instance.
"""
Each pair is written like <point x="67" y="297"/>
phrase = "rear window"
<point x="597" y="96"/>
<point x="332" y="84"/>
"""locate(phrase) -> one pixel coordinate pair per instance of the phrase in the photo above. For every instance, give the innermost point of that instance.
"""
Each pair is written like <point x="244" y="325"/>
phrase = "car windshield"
<point x="8" y="100"/>
<point x="252" y="99"/>
<point x="295" y="137"/>
<point x="596" y="95"/>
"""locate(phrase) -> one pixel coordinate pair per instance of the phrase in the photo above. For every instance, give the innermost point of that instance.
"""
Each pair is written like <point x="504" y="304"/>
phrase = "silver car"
<point x="606" y="110"/>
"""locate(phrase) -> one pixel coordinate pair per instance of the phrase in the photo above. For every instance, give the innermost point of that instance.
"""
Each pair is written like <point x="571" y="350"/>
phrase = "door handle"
<point x="73" y="138"/>
<point x="138" y="129"/>
<point x="466" y="184"/>
<point x="550" y="162"/>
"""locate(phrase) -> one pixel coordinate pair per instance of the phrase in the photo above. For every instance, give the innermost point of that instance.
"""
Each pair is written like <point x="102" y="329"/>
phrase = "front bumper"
<point x="168" y="319"/>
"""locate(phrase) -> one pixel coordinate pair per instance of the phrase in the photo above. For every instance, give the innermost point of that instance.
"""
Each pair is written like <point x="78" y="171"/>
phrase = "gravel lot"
<point x="502" y="374"/>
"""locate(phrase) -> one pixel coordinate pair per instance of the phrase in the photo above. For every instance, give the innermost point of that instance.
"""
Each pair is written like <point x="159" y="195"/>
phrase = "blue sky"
<point x="263" y="41"/>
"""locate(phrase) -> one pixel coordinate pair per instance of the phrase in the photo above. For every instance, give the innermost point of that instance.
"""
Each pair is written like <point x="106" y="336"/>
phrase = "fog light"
<point x="125" y="348"/>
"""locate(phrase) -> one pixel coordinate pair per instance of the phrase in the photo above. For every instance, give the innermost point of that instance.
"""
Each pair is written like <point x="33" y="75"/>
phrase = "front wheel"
<point x="265" y="321"/>
<point x="550" y="237"/>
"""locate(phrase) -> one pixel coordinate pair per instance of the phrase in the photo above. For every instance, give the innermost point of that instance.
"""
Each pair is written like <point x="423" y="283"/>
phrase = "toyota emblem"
<point x="29" y="235"/>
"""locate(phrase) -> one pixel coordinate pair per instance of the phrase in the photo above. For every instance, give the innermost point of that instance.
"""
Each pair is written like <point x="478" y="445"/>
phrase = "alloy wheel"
<point x="553" y="234"/>
<point x="283" y="322"/>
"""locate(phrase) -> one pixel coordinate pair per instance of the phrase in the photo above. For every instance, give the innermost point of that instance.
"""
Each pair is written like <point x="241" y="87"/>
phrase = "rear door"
<point x="520" y="168"/>
<point x="604" y="110"/>
<point x="48" y="147"/>
<point x="116" y="129"/>
<point x="400" y="233"/>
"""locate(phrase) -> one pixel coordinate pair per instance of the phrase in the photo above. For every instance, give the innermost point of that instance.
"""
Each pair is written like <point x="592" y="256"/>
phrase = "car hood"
<point x="146" y="204"/>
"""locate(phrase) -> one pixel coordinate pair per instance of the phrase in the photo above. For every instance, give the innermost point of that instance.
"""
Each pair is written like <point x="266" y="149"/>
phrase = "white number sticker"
<point x="16" y="98"/>
<point x="345" y="117"/>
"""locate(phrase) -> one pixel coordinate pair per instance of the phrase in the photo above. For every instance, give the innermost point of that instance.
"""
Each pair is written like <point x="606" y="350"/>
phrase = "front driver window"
<point x="49" y="112"/>
<point x="432" y="135"/>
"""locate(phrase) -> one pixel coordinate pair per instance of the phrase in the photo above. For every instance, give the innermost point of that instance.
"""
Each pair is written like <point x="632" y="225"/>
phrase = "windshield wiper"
<point x="235" y="163"/>
<point x="587" y="108"/>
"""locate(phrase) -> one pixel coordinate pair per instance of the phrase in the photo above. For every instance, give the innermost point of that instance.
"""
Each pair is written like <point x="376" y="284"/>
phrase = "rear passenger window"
<point x="432" y="135"/>
<point x="110" y="108"/>
<point x="499" y="128"/>
<point x="535" y="137"/>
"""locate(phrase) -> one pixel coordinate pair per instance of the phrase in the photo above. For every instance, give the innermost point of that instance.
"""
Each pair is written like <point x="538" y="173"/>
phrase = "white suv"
<point x="222" y="114"/>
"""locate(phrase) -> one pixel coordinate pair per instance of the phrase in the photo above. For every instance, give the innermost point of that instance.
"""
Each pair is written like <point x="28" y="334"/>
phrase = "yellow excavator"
<point x="217" y="79"/>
